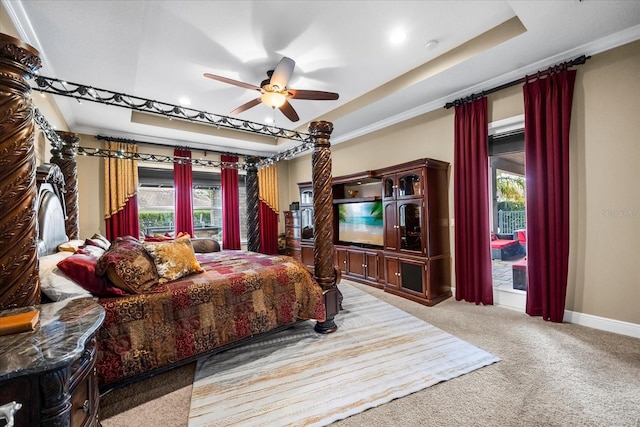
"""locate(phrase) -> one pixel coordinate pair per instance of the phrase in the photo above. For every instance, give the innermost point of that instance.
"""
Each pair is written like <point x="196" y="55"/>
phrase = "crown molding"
<point x="601" y="45"/>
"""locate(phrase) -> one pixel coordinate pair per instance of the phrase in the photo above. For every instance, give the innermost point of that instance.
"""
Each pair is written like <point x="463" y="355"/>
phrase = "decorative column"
<point x="325" y="273"/>
<point x="65" y="158"/>
<point x="253" y="200"/>
<point x="19" y="283"/>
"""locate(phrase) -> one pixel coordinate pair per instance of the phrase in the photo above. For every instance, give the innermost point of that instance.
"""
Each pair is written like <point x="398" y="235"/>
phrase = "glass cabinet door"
<point x="306" y="197"/>
<point x="409" y="184"/>
<point x="306" y="223"/>
<point x="410" y="220"/>
<point x="387" y="188"/>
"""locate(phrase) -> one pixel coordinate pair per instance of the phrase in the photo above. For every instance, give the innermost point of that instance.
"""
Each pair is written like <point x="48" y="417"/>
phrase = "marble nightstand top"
<point x="59" y="337"/>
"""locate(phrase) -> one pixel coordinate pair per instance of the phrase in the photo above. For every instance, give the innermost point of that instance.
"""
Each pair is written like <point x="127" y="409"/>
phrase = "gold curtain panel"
<point x="120" y="177"/>
<point x="268" y="186"/>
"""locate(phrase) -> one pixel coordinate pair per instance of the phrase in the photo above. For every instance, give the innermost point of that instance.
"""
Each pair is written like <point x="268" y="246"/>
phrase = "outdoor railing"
<point x="510" y="221"/>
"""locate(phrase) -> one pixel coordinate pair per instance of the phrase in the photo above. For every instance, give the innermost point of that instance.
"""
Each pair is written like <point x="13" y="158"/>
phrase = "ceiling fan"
<point x="274" y="91"/>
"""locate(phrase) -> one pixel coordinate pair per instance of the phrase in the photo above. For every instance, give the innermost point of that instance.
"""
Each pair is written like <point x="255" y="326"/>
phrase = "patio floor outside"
<point x="503" y="274"/>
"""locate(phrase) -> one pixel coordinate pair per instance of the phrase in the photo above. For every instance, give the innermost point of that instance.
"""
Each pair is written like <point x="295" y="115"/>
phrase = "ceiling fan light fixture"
<point x="273" y="99"/>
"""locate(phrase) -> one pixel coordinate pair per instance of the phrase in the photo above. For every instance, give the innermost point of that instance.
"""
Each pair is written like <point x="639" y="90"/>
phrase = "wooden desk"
<point x="50" y="371"/>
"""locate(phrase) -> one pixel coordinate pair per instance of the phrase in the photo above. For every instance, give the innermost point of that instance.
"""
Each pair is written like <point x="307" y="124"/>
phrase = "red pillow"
<point x="81" y="268"/>
<point x="149" y="238"/>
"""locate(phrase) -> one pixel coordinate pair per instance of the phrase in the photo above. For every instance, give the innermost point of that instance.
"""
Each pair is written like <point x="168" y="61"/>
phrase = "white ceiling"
<point x="160" y="50"/>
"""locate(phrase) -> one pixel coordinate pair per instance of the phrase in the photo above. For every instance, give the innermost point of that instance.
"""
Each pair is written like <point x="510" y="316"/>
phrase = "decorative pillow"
<point x="174" y="258"/>
<point x="71" y="246"/>
<point x="205" y="245"/>
<point x="81" y="268"/>
<point x="102" y="239"/>
<point x="128" y="266"/>
<point x="155" y="238"/>
<point x="54" y="283"/>
<point x="97" y="243"/>
<point x="493" y="236"/>
<point x="92" y="250"/>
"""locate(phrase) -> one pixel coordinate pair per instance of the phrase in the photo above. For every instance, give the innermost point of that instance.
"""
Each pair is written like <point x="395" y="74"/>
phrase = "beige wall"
<point x="604" y="267"/>
<point x="605" y="199"/>
<point x="90" y="190"/>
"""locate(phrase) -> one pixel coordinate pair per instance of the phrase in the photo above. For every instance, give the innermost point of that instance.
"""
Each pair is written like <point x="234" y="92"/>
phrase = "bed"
<point x="179" y="311"/>
<point x="223" y="299"/>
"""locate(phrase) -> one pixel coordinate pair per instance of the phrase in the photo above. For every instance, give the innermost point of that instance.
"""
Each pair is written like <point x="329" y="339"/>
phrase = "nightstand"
<point x="49" y="372"/>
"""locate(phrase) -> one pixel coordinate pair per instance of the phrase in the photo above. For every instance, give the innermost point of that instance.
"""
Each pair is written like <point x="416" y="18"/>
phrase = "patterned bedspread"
<point x="240" y="294"/>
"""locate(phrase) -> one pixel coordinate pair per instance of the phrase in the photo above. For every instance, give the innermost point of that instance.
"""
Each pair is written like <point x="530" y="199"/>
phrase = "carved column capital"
<point x="70" y="144"/>
<point x="23" y="59"/>
<point x="321" y="132"/>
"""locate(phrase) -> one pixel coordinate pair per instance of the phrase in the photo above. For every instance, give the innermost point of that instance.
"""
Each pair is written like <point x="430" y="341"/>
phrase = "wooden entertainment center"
<point x="400" y="243"/>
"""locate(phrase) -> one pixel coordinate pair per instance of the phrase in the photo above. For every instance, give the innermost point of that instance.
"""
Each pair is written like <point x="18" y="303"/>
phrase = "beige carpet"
<point x="301" y="378"/>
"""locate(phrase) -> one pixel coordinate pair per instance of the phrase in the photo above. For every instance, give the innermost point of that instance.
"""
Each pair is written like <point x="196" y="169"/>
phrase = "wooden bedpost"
<point x="19" y="283"/>
<point x="325" y="273"/>
<point x="253" y="200"/>
<point x="65" y="158"/>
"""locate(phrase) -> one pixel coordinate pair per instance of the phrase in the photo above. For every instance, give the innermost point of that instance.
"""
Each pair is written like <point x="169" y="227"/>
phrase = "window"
<point x="156" y="208"/>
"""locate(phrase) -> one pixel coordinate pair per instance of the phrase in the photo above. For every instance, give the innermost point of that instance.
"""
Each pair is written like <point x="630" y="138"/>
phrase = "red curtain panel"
<point x="183" y="191"/>
<point x="471" y="204"/>
<point x="124" y="222"/>
<point x="230" y="205"/>
<point x="547" y="111"/>
<point x="268" y="229"/>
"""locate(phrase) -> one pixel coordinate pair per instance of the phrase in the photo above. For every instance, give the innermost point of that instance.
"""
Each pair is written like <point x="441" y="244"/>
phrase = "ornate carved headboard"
<point x="51" y="212"/>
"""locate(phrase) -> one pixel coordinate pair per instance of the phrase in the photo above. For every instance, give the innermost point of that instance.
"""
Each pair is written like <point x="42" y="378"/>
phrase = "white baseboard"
<point x="602" y="323"/>
<point x="516" y="300"/>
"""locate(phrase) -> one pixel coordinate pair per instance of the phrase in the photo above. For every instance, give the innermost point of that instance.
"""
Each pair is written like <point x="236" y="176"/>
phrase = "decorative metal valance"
<point x="57" y="149"/>
<point x="80" y="91"/>
<point x="103" y="96"/>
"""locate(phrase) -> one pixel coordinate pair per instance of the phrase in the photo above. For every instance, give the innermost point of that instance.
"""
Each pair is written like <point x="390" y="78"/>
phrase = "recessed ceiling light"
<point x="397" y="36"/>
<point x="269" y="120"/>
<point x="431" y="44"/>
<point x="184" y="101"/>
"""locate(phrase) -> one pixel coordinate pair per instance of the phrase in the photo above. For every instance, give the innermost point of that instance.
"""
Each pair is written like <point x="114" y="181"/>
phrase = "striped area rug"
<point x="300" y="378"/>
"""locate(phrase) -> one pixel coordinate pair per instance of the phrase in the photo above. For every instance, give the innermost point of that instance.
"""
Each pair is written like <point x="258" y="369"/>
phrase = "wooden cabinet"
<point x="361" y="265"/>
<point x="306" y="211"/>
<point x="50" y="371"/>
<point x="416" y="230"/>
<point x="306" y="254"/>
<point x="292" y="233"/>
<point x="413" y="257"/>
<point x="306" y="223"/>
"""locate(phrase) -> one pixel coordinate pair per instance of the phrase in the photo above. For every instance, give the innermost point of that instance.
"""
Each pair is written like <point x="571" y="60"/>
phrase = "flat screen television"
<point x="360" y="223"/>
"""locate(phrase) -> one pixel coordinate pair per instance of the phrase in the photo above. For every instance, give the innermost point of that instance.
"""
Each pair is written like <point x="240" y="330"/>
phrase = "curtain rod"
<point x="460" y="101"/>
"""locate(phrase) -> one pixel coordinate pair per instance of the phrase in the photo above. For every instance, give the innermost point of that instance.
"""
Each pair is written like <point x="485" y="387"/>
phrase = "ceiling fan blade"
<point x="232" y="82"/>
<point x="312" y="94"/>
<point x="282" y="73"/>
<point x="288" y="111"/>
<point x="245" y="107"/>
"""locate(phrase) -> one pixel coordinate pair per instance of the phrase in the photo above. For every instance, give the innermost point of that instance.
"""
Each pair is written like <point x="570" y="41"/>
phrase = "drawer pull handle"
<point x="8" y="411"/>
<point x="85" y="406"/>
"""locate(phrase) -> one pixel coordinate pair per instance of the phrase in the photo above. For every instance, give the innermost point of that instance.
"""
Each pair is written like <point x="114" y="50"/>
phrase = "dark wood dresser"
<point x="49" y="373"/>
